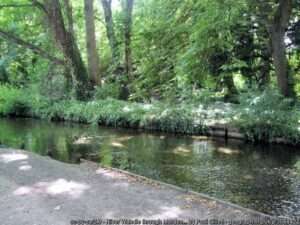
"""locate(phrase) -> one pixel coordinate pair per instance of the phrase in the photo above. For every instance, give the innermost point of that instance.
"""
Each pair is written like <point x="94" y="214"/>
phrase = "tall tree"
<point x="110" y="30"/>
<point x="127" y="34"/>
<point x="276" y="15"/>
<point x="69" y="13"/>
<point x="93" y="57"/>
<point x="66" y="42"/>
<point x="70" y="23"/>
<point x="278" y="29"/>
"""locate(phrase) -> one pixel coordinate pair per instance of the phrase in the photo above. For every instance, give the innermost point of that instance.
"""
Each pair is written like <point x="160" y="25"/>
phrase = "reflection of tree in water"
<point x="11" y="133"/>
<point x="114" y="152"/>
<point x="257" y="179"/>
<point x="146" y="155"/>
<point x="153" y="156"/>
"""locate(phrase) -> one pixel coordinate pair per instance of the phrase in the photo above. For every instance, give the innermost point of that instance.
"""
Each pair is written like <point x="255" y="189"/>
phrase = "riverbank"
<point x="39" y="190"/>
<point x="254" y="120"/>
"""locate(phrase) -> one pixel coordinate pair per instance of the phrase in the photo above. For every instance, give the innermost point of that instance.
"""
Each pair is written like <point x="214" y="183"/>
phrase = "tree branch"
<point x="12" y="38"/>
<point x="16" y="5"/>
<point x="39" y="5"/>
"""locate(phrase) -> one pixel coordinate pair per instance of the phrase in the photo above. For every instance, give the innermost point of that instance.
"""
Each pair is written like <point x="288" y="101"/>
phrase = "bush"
<point x="13" y="101"/>
<point x="261" y="116"/>
<point x="54" y="88"/>
<point x="107" y="91"/>
<point x="190" y="94"/>
<point x="267" y="116"/>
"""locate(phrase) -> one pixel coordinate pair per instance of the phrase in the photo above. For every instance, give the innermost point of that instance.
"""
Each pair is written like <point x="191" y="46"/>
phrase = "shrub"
<point x="13" y="101"/>
<point x="261" y="116"/>
<point x="264" y="116"/>
<point x="111" y="90"/>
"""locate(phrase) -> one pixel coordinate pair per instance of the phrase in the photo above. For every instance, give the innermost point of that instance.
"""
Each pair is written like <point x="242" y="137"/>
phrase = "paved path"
<point x="37" y="190"/>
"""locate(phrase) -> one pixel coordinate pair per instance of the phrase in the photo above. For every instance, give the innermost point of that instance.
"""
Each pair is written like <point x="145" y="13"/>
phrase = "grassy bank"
<point x="259" y="119"/>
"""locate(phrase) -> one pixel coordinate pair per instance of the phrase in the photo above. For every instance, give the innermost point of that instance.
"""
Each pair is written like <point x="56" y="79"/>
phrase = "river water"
<point x="263" y="178"/>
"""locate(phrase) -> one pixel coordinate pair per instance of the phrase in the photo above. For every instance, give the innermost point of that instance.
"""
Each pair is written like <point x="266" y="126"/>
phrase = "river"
<point x="261" y="177"/>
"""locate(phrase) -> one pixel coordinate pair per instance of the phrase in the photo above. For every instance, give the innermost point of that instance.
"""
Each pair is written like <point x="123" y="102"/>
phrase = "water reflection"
<point x="265" y="178"/>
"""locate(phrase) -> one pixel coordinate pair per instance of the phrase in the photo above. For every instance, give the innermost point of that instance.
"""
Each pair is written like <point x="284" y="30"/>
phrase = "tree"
<point x="127" y="35"/>
<point x="110" y="31"/>
<point x="175" y="47"/>
<point x="70" y="23"/>
<point x="275" y="16"/>
<point x="252" y="48"/>
<point x="14" y="39"/>
<point x="70" y="20"/>
<point x="66" y="42"/>
<point x="93" y="57"/>
<point x="277" y="30"/>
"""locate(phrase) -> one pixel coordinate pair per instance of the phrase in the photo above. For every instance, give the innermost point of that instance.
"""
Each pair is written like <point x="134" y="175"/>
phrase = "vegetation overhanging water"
<point x="264" y="178"/>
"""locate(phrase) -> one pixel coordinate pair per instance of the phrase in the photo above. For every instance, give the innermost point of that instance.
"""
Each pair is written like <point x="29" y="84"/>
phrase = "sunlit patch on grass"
<point x="83" y="141"/>
<point x="127" y="109"/>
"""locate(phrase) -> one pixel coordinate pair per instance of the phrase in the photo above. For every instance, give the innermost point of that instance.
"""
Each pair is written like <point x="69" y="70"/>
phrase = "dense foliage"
<point x="175" y="63"/>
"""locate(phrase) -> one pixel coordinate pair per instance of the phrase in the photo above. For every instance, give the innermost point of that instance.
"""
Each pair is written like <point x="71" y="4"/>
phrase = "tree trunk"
<point x="93" y="57"/>
<point x="69" y="12"/>
<point x="66" y="42"/>
<point x="128" y="28"/>
<point x="231" y="88"/>
<point x="277" y="33"/>
<point x="264" y="73"/>
<point x="70" y="23"/>
<point x="106" y="4"/>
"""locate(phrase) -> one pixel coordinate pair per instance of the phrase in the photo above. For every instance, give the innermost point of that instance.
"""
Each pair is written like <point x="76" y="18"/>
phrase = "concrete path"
<point x="37" y="190"/>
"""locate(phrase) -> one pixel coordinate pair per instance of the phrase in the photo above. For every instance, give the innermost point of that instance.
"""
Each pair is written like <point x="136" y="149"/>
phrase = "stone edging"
<point x="229" y="132"/>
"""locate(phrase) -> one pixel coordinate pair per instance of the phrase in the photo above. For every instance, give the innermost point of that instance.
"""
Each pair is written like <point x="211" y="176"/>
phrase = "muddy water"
<point x="264" y="178"/>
